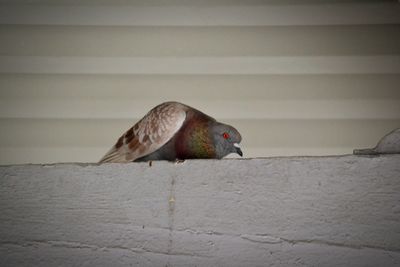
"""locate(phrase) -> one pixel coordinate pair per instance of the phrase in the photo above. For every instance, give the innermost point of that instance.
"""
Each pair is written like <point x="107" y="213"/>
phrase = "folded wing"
<point x="149" y="134"/>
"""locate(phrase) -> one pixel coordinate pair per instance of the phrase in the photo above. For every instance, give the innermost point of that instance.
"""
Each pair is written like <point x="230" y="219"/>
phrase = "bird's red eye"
<point x="225" y="135"/>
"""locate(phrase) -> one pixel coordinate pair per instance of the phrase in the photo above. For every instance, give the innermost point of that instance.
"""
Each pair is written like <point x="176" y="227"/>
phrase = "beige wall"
<point x="314" y="78"/>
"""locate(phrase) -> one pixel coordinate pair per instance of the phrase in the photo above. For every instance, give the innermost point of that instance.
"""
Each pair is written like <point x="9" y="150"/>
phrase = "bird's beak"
<point x="237" y="149"/>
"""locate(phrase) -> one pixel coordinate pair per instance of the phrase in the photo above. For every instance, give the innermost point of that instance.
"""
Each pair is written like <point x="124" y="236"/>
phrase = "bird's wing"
<point x="152" y="132"/>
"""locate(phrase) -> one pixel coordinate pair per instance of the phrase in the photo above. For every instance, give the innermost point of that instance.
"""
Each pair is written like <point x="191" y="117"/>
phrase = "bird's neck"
<point x="201" y="144"/>
<point x="198" y="141"/>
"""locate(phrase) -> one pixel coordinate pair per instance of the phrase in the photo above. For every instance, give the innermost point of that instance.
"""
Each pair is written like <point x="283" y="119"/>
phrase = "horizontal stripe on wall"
<point x="181" y="2"/>
<point x="97" y="41"/>
<point x="200" y="87"/>
<point x="223" y="109"/>
<point x="327" y="14"/>
<point x="202" y="65"/>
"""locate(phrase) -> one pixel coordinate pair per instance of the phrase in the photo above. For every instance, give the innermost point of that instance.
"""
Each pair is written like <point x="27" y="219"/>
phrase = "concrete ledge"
<point x="296" y="211"/>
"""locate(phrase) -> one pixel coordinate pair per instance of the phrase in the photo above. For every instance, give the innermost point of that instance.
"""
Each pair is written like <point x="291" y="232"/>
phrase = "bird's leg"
<point x="150" y="163"/>
<point x="179" y="161"/>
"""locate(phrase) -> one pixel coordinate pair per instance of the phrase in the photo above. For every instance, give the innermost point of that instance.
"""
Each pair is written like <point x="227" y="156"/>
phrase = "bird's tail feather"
<point x="113" y="155"/>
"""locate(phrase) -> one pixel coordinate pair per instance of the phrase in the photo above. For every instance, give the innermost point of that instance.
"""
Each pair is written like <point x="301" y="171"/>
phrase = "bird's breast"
<point x="194" y="141"/>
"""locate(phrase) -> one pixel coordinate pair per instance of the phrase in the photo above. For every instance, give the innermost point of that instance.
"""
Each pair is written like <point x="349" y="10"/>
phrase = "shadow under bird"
<point x="174" y="131"/>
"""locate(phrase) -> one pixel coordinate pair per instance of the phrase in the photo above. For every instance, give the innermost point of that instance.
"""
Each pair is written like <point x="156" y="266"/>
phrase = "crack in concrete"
<point x="79" y="245"/>
<point x="255" y="238"/>
<point x="265" y="238"/>
<point x="334" y="244"/>
<point x="171" y="217"/>
<point x="271" y="239"/>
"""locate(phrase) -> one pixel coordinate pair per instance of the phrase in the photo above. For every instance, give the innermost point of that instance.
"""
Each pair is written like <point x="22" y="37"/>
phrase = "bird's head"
<point x="226" y="140"/>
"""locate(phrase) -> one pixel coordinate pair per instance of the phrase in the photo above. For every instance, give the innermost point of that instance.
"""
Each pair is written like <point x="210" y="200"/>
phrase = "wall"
<point x="316" y="78"/>
<point x="293" y="211"/>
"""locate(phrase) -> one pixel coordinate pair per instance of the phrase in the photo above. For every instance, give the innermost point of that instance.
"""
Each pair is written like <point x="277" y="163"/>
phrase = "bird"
<point x="174" y="131"/>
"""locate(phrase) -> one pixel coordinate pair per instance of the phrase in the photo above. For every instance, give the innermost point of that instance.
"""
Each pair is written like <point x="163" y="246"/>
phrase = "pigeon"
<point x="174" y="131"/>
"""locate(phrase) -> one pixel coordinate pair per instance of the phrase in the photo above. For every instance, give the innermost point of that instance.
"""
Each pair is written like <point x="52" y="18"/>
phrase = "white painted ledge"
<point x="293" y="211"/>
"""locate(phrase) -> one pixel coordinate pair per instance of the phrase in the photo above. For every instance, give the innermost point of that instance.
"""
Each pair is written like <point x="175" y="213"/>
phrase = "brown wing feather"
<point x="149" y="134"/>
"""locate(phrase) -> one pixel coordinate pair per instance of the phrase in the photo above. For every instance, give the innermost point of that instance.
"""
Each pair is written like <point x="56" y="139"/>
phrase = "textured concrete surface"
<point x="295" y="211"/>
